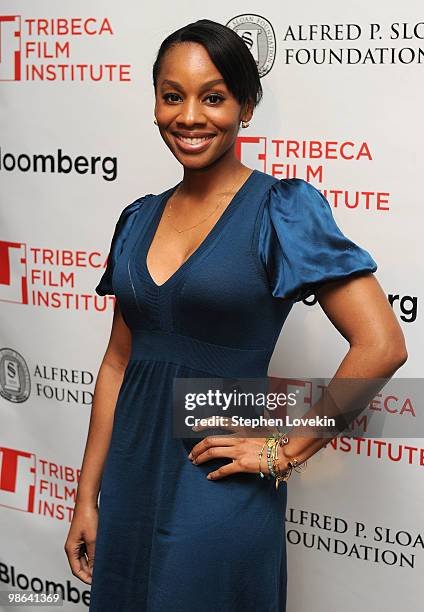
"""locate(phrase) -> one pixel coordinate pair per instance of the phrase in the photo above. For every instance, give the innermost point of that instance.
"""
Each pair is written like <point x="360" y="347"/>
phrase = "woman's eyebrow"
<point x="204" y="86"/>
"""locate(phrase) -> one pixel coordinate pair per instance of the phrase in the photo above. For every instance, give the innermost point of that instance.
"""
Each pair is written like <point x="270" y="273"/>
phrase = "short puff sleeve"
<point x="300" y="244"/>
<point x="121" y="233"/>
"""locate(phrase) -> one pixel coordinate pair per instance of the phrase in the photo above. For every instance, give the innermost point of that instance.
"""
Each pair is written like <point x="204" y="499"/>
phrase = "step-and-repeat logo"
<point x="51" y="278"/>
<point x="51" y="382"/>
<point x="258" y="34"/>
<point x="33" y="484"/>
<point x="59" y="162"/>
<point x="36" y="49"/>
<point x="15" y="381"/>
<point x="328" y="44"/>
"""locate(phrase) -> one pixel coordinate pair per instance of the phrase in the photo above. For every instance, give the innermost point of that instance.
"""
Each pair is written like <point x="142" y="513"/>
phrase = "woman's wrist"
<point x="87" y="498"/>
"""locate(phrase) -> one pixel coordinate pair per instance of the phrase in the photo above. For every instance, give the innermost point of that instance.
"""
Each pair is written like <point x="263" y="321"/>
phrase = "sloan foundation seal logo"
<point x="258" y="34"/>
<point x="15" y="382"/>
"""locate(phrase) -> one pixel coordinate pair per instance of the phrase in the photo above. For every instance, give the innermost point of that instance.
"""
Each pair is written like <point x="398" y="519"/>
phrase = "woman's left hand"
<point x="244" y="451"/>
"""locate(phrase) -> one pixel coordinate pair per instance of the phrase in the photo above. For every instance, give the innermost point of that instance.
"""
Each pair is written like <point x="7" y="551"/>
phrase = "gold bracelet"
<point x="261" y="474"/>
<point x="293" y="464"/>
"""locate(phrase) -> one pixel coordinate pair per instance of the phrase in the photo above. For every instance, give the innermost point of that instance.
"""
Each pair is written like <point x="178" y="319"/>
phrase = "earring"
<point x="245" y="124"/>
<point x="154" y="121"/>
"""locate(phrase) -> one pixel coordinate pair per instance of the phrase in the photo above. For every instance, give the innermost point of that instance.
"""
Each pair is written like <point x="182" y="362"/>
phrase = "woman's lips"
<point x="187" y="147"/>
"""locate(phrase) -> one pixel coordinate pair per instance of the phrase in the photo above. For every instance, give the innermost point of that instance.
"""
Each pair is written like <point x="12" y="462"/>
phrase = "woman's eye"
<point x="216" y="98"/>
<point x="219" y="98"/>
<point x="166" y="96"/>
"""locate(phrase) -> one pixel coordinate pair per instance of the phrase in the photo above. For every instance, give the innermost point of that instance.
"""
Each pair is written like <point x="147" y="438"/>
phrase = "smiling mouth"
<point x="193" y="145"/>
<point x="193" y="141"/>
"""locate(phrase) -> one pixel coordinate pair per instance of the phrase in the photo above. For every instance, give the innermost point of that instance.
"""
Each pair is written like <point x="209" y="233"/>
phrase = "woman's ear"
<point x="247" y="111"/>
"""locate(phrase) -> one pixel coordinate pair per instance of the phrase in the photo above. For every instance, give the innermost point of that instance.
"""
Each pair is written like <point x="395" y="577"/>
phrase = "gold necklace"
<point x="200" y="222"/>
<point x="180" y="231"/>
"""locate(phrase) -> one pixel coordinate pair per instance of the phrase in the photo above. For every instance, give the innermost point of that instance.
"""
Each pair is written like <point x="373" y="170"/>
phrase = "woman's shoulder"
<point x="292" y="200"/>
<point x="135" y="205"/>
<point x="288" y="188"/>
<point x="129" y="212"/>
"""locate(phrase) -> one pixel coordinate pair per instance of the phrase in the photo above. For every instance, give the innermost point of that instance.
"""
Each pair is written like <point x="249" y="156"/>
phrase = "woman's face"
<point x="197" y="116"/>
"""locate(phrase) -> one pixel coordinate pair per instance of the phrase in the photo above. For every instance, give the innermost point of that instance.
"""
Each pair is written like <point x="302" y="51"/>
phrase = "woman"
<point x="205" y="275"/>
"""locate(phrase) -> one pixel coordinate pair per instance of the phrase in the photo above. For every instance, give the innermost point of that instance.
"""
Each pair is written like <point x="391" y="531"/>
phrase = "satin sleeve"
<point x="300" y="245"/>
<point x="121" y="233"/>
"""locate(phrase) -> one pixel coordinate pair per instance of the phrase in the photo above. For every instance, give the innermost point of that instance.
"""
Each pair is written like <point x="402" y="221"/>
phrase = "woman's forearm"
<point x="108" y="383"/>
<point x="361" y="374"/>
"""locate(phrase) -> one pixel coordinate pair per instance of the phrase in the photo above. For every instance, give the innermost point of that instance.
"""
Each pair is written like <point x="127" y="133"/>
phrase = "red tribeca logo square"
<point x="10" y="47"/>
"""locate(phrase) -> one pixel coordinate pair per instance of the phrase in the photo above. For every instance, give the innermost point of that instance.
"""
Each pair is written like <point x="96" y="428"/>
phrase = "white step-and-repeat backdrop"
<point x="342" y="108"/>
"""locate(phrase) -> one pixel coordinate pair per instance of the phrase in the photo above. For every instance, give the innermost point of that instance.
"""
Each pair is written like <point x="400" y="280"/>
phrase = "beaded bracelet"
<point x="272" y="452"/>
<point x="272" y="443"/>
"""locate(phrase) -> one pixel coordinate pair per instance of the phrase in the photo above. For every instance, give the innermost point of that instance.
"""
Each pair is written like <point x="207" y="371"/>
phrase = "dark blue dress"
<point x="168" y="538"/>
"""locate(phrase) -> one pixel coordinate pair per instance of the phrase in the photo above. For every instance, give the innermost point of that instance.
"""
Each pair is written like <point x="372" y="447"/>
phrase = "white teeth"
<point x="194" y="140"/>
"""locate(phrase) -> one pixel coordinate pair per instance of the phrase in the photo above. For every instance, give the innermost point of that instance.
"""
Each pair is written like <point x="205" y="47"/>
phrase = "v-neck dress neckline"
<point x="205" y="242"/>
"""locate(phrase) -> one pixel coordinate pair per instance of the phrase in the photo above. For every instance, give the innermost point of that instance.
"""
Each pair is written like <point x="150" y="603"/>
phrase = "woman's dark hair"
<point x="227" y="51"/>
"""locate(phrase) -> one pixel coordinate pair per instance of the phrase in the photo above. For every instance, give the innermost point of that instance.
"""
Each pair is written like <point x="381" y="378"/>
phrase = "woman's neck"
<point x="202" y="183"/>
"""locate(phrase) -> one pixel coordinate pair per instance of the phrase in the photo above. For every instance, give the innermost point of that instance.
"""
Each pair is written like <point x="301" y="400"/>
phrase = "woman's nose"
<point x="191" y="113"/>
